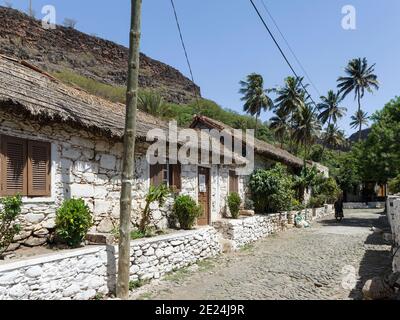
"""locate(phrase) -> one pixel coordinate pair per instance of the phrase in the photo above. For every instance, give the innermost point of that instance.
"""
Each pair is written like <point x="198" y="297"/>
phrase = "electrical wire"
<point x="281" y="52"/>
<point x="290" y="48"/>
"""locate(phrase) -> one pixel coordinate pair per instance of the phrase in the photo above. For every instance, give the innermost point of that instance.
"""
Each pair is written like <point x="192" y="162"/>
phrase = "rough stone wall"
<point x="84" y="273"/>
<point x="85" y="166"/>
<point x="246" y="230"/>
<point x="363" y="205"/>
<point x="395" y="224"/>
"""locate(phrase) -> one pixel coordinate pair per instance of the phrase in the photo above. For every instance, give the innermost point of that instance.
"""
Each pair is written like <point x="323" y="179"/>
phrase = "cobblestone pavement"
<point x="330" y="260"/>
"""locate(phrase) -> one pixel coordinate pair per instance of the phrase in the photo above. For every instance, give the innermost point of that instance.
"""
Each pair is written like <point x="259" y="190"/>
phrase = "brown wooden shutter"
<point x="233" y="182"/>
<point x="13" y="166"/>
<point x="39" y="169"/>
<point x="175" y="176"/>
<point x="158" y="174"/>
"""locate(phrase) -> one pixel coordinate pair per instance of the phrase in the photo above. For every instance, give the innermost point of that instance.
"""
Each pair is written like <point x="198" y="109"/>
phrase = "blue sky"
<point x="226" y="41"/>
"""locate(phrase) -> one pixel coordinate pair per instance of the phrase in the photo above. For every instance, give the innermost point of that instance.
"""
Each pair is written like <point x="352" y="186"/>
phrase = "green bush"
<point x="272" y="190"/>
<point x="327" y="190"/>
<point x="73" y="221"/>
<point x="186" y="211"/>
<point x="234" y="202"/>
<point x="394" y="185"/>
<point x="8" y="228"/>
<point x="316" y="201"/>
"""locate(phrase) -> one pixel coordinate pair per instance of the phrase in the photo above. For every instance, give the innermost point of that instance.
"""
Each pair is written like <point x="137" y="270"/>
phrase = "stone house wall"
<point x="393" y="214"/>
<point x="88" y="166"/>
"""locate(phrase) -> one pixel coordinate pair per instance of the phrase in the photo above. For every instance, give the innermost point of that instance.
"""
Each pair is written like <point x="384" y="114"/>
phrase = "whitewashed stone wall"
<point x="85" y="166"/>
<point x="393" y="213"/>
<point x="245" y="230"/>
<point x="83" y="273"/>
<point x="363" y="205"/>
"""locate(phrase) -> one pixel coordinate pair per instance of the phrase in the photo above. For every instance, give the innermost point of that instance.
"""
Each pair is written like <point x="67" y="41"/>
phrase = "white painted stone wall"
<point x="363" y="205"/>
<point x="395" y="224"/>
<point x="245" y="230"/>
<point x="81" y="274"/>
<point x="85" y="166"/>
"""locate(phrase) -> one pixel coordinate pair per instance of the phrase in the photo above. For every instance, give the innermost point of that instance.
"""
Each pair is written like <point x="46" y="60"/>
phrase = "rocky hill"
<point x="89" y="56"/>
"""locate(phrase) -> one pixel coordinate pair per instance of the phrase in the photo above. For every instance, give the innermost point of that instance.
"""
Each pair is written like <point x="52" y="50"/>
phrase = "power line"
<point x="290" y="48"/>
<point x="183" y="44"/>
<point x="281" y="51"/>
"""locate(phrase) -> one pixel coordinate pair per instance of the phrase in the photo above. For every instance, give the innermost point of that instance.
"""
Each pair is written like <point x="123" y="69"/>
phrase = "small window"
<point x="233" y="182"/>
<point x="166" y="174"/>
<point x="25" y="167"/>
<point x="158" y="174"/>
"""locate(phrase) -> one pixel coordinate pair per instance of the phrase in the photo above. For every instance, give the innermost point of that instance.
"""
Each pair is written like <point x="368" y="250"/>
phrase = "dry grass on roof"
<point x="25" y="88"/>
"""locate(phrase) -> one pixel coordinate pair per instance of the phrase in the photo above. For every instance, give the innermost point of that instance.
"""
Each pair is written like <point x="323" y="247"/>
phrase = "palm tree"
<point x="280" y="126"/>
<point x="330" y="111"/>
<point x="306" y="128"/>
<point x="358" y="120"/>
<point x="151" y="102"/>
<point x="359" y="78"/>
<point x="255" y="97"/>
<point x="290" y="97"/>
<point x="333" y="136"/>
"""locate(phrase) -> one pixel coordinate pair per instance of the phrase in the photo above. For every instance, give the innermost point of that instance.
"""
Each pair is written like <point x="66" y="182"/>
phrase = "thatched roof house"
<point x="26" y="89"/>
<point x="260" y="147"/>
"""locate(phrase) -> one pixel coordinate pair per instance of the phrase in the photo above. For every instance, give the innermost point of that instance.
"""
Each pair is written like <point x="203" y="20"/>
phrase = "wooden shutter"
<point x="158" y="174"/>
<point x="39" y="176"/>
<point x="13" y="166"/>
<point x="233" y="182"/>
<point x="175" y="176"/>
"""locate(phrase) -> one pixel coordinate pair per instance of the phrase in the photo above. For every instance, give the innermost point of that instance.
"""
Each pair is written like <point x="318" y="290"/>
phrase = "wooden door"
<point x="204" y="196"/>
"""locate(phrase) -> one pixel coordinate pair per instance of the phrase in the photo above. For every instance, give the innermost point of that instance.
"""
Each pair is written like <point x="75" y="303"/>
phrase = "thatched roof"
<point x="260" y="147"/>
<point x="26" y="89"/>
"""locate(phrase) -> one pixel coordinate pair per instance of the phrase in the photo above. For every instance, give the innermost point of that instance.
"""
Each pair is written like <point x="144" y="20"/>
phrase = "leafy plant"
<point x="394" y="185"/>
<point x="8" y="214"/>
<point x="186" y="211"/>
<point x="272" y="190"/>
<point x="156" y="194"/>
<point x="137" y="284"/>
<point x="73" y="221"/>
<point x="248" y="204"/>
<point x="234" y="202"/>
<point x="317" y="201"/>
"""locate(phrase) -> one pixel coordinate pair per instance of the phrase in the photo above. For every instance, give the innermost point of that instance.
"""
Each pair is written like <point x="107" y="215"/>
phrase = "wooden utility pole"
<point x="129" y="153"/>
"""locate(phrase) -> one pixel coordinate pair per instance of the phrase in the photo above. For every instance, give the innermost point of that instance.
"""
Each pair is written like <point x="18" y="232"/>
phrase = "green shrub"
<point x="327" y="190"/>
<point x="156" y="194"/>
<point x="8" y="228"/>
<point x="73" y="221"/>
<point x="394" y="185"/>
<point x="248" y="204"/>
<point x="186" y="211"/>
<point x="234" y="202"/>
<point x="316" y="201"/>
<point x="272" y="190"/>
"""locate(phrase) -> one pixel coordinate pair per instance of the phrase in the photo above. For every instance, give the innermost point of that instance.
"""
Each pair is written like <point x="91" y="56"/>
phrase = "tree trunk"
<point x="359" y="109"/>
<point x="129" y="153"/>
<point x="325" y="142"/>
<point x="255" y="129"/>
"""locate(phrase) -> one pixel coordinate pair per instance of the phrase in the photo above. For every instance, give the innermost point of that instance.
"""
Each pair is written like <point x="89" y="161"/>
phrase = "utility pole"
<point x="30" y="8"/>
<point x="129" y="152"/>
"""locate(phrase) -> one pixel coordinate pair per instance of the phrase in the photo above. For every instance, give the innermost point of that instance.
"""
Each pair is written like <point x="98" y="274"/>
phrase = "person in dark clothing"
<point x="339" y="208"/>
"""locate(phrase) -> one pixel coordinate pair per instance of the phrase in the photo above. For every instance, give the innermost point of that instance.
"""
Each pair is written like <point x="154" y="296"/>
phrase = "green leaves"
<point x="272" y="190"/>
<point x="11" y="209"/>
<point x="234" y="202"/>
<point x="186" y="211"/>
<point x="73" y="220"/>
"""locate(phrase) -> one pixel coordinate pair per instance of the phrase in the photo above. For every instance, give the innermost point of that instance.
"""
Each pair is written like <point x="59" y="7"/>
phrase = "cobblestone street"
<point x="330" y="260"/>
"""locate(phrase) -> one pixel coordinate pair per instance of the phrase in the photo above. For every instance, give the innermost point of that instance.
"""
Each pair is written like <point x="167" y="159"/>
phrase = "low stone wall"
<point x="363" y="205"/>
<point x="245" y="230"/>
<point x="393" y="214"/>
<point x="83" y="273"/>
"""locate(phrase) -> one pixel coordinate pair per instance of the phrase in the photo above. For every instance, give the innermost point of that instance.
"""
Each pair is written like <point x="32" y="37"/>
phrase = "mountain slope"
<point x="89" y="56"/>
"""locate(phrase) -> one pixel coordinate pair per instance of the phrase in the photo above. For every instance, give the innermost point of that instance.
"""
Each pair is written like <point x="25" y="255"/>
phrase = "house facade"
<point x="58" y="142"/>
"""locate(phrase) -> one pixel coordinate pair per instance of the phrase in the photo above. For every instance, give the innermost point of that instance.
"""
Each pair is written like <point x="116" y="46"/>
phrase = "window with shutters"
<point x="25" y="167"/>
<point x="233" y="182"/>
<point x="168" y="174"/>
